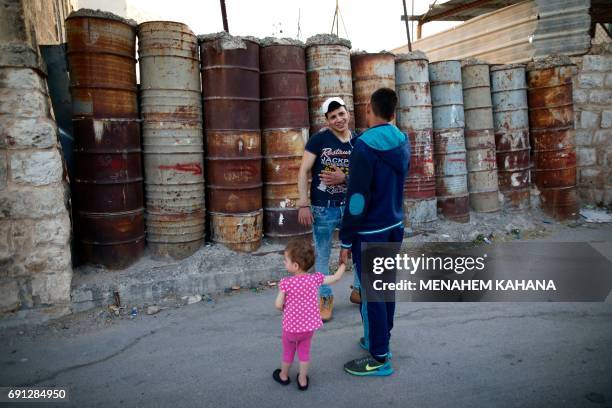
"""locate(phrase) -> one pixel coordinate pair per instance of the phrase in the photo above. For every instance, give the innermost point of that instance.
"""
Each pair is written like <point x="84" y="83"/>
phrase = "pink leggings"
<point x="301" y="341"/>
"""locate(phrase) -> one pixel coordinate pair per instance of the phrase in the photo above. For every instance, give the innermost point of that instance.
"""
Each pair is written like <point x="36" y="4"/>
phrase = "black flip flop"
<point x="305" y="387"/>
<point x="276" y="376"/>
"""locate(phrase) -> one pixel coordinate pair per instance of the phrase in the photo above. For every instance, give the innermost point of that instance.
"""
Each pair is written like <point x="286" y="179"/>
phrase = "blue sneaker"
<point x="363" y="346"/>
<point x="369" y="366"/>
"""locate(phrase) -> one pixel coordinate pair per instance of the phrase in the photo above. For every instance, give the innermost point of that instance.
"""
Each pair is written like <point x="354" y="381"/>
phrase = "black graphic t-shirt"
<point x="330" y="152"/>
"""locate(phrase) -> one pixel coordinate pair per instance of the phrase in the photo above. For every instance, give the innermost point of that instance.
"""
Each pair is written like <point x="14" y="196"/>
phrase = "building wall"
<point x="35" y="259"/>
<point x="593" y="112"/>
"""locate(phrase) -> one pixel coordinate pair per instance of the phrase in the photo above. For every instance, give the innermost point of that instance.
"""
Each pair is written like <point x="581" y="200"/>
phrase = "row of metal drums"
<point x="256" y="97"/>
<point x="243" y="102"/>
<point x="469" y="126"/>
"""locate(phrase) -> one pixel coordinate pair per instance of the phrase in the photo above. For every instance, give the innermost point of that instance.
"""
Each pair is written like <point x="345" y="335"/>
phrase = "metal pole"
<point x="224" y="16"/>
<point x="407" y="30"/>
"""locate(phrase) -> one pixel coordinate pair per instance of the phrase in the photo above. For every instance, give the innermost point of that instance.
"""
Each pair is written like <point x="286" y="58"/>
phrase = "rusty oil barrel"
<point x="511" y="126"/>
<point x="108" y="183"/>
<point x="551" y="123"/>
<point x="370" y="72"/>
<point x="479" y="137"/>
<point x="102" y="60"/>
<point x="172" y="138"/>
<point x="328" y="71"/>
<point x="448" y="139"/>
<point x="284" y="122"/>
<point x="230" y="94"/>
<point x="108" y="195"/>
<point x="414" y="118"/>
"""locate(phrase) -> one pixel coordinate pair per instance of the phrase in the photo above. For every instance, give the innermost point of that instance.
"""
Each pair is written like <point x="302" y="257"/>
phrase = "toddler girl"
<point x="298" y="298"/>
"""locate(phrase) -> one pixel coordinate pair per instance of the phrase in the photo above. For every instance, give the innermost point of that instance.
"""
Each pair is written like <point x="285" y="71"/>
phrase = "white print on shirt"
<point x="334" y="158"/>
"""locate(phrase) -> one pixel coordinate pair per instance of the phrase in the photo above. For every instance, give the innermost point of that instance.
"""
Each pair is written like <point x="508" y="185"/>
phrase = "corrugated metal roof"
<point x="518" y="33"/>
<point x="563" y="27"/>
<point x="498" y="37"/>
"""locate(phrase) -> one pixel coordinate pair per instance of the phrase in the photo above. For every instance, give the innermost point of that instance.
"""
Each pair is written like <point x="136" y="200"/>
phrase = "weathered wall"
<point x="593" y="110"/>
<point x="35" y="265"/>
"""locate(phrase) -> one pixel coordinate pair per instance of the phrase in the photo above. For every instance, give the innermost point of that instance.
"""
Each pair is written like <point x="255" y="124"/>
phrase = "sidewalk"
<point x="222" y="354"/>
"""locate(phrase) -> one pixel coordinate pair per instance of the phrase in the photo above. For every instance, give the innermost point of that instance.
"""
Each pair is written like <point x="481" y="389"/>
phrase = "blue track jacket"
<point x="375" y="197"/>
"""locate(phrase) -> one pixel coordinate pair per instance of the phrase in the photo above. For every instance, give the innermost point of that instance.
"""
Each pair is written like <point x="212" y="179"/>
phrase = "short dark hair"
<point x="301" y="252"/>
<point x="333" y="106"/>
<point x="384" y="102"/>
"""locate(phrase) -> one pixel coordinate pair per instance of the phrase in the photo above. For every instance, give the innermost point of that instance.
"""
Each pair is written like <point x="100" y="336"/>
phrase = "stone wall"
<point x="35" y="261"/>
<point x="593" y="112"/>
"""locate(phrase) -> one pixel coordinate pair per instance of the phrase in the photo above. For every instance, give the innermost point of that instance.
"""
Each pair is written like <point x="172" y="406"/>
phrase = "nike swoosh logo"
<point x="369" y="368"/>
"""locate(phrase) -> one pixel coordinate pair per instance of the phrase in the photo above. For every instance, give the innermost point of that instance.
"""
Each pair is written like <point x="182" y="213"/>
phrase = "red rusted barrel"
<point x="284" y="122"/>
<point x="479" y="137"/>
<point x="414" y="118"/>
<point x="511" y="126"/>
<point x="172" y="138"/>
<point x="108" y="193"/>
<point x="102" y="60"/>
<point x="449" y="142"/>
<point x="551" y="122"/>
<point x="328" y="68"/>
<point x="230" y="90"/>
<point x="370" y="72"/>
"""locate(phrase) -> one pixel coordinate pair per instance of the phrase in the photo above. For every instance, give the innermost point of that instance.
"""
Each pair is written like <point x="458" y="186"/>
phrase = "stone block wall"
<point x="593" y="118"/>
<point x="35" y="260"/>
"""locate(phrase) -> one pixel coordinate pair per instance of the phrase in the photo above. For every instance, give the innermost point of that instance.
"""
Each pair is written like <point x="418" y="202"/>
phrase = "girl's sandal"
<point x="300" y="387"/>
<point x="276" y="376"/>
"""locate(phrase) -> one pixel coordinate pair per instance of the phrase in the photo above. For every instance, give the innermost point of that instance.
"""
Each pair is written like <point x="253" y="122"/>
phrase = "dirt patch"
<point x="84" y="12"/>
<point x="327" y="39"/>
<point x="269" y="41"/>
<point x="549" y="62"/>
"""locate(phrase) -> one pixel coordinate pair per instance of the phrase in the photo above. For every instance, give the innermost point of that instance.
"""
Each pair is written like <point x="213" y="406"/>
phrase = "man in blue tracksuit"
<point x="374" y="213"/>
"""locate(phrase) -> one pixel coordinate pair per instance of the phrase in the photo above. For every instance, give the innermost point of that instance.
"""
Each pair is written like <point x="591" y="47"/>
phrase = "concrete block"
<point x="586" y="156"/>
<point x="608" y="81"/>
<point x="580" y="96"/>
<point x="51" y="289"/>
<point x="48" y="259"/>
<point x="602" y="137"/>
<point x="589" y="119"/>
<point x="33" y="202"/>
<point x="20" y="237"/>
<point x="3" y="169"/>
<point x="601" y="97"/>
<point x="5" y="249"/>
<point x="54" y="231"/>
<point x="19" y="133"/>
<point x="22" y="78"/>
<point x="584" y="137"/>
<point x="591" y="80"/>
<point x="9" y="296"/>
<point x="597" y="63"/>
<point x="38" y="168"/>
<point x="23" y="103"/>
<point x="602" y="158"/>
<point x="592" y="177"/>
<point x="606" y="119"/>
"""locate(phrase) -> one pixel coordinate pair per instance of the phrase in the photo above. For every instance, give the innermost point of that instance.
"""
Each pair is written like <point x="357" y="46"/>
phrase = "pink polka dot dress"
<point x="301" y="313"/>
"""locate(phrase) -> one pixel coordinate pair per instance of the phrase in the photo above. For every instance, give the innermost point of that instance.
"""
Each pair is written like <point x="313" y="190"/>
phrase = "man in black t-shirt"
<point x="327" y="158"/>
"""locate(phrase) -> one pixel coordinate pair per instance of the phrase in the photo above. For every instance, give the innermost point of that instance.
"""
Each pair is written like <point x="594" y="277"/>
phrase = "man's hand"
<point x="332" y="177"/>
<point x="345" y="255"/>
<point x="305" y="216"/>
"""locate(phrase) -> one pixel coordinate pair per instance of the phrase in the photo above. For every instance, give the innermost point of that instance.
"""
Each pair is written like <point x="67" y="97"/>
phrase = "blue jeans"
<point x="326" y="220"/>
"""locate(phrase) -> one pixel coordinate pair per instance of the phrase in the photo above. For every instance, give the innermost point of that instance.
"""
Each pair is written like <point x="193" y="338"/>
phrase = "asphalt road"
<point x="222" y="354"/>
